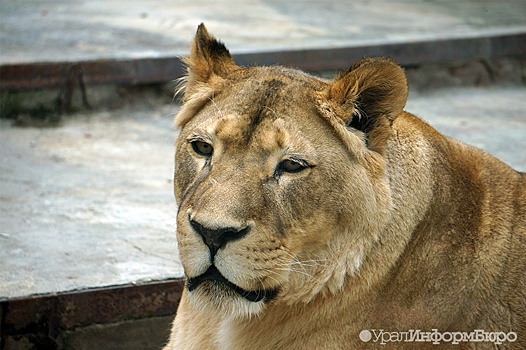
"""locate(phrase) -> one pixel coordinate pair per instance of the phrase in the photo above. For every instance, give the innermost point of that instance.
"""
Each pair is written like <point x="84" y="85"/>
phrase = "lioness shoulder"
<point x="320" y="215"/>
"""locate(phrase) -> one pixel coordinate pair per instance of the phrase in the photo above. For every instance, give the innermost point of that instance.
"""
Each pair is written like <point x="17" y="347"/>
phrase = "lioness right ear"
<point x="209" y="58"/>
<point x="368" y="97"/>
<point x="208" y="66"/>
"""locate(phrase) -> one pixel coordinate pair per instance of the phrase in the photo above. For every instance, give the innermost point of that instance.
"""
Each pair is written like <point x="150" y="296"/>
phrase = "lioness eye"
<point x="291" y="166"/>
<point x="202" y="148"/>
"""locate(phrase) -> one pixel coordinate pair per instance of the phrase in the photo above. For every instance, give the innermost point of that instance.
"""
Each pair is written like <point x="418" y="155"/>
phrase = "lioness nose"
<point x="217" y="238"/>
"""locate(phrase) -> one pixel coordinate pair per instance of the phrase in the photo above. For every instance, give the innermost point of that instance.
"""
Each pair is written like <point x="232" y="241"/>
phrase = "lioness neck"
<point x="445" y="197"/>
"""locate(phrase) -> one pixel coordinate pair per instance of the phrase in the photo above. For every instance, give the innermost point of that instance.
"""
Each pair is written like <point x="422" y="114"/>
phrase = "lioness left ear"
<point x="368" y="97"/>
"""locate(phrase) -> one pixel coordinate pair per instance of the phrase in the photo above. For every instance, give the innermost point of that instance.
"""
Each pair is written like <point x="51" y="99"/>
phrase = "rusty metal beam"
<point x="50" y="75"/>
<point x="406" y="54"/>
<point x="164" y="69"/>
<point x="52" y="313"/>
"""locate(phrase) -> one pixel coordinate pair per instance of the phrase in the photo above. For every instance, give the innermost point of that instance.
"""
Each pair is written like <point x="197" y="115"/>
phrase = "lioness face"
<point x="269" y="180"/>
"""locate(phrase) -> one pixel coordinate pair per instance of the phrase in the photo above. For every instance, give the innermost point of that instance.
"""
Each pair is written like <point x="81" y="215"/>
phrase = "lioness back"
<point x="320" y="215"/>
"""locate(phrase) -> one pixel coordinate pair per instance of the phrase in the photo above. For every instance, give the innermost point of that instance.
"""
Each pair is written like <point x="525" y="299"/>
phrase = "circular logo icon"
<point x="365" y="335"/>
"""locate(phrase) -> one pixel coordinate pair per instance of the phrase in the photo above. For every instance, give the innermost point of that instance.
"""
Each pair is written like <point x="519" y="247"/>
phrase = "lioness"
<point x="319" y="215"/>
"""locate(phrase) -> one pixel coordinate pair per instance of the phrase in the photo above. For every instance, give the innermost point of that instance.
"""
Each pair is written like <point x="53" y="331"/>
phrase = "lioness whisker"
<point x="303" y="263"/>
<point x="270" y="109"/>
<point x="289" y="269"/>
<point x="280" y="284"/>
<point x="211" y="99"/>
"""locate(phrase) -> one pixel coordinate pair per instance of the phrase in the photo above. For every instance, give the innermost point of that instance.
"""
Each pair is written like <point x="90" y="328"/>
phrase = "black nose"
<point x="217" y="238"/>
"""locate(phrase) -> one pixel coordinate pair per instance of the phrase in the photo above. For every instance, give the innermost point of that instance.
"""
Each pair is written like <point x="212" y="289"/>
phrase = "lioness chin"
<point x="313" y="210"/>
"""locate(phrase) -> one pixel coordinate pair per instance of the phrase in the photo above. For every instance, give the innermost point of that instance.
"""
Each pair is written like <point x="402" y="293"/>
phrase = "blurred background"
<point x="87" y="217"/>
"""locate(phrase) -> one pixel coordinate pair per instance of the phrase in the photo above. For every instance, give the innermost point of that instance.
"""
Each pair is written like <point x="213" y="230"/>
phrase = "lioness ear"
<point x="209" y="58"/>
<point x="368" y="97"/>
<point x="208" y="67"/>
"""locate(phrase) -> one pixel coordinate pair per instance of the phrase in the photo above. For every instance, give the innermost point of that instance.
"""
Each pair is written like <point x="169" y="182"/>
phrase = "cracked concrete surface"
<point x="87" y="204"/>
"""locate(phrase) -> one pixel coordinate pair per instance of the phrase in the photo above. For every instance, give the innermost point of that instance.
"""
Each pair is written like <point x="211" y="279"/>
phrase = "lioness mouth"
<point x="213" y="274"/>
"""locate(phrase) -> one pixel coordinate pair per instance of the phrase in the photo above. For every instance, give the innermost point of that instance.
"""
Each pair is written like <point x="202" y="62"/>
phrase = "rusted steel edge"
<point x="405" y="54"/>
<point x="57" y="74"/>
<point x="164" y="69"/>
<point x="51" y="313"/>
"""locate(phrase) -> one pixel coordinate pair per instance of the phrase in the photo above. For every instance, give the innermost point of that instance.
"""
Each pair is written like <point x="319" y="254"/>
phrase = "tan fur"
<point x="389" y="226"/>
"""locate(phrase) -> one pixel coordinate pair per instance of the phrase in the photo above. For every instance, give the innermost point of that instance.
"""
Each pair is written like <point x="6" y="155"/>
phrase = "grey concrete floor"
<point x="90" y="204"/>
<point x="57" y="31"/>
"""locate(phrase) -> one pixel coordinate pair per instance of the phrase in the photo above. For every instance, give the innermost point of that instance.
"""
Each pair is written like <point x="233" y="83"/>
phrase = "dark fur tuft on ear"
<point x="209" y="46"/>
<point x="208" y="58"/>
<point x="211" y="53"/>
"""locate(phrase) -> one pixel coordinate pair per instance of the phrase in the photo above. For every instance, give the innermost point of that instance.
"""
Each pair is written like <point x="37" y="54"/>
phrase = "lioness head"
<point x="280" y="178"/>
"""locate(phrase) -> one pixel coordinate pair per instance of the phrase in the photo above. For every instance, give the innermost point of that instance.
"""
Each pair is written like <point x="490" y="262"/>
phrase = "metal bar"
<point x="157" y="70"/>
<point x="51" y="75"/>
<point x="65" y="311"/>
<point x="406" y="54"/>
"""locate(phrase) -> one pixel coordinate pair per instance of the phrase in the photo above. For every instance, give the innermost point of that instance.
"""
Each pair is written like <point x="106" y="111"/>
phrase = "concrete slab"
<point x="491" y="118"/>
<point x="90" y="204"/>
<point x="57" y="31"/>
